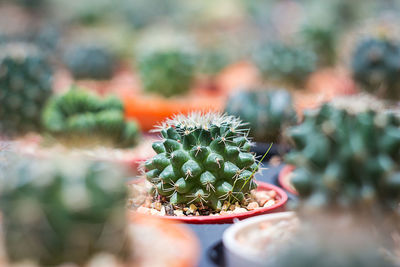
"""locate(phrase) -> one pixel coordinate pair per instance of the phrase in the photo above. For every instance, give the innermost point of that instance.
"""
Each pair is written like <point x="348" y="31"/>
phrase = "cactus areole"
<point x="202" y="159"/>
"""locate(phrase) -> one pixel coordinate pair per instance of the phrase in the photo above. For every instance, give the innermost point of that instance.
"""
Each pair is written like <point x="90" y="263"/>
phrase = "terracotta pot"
<point x="322" y="86"/>
<point x="222" y="219"/>
<point x="331" y="82"/>
<point x="284" y="179"/>
<point x="178" y="236"/>
<point x="150" y="110"/>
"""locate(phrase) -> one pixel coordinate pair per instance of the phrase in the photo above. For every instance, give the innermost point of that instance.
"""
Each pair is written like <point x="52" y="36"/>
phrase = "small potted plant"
<point x="204" y="172"/>
<point x="25" y="89"/>
<point x="85" y="123"/>
<point x="375" y="66"/>
<point x="71" y="210"/>
<point x="268" y="113"/>
<point x="166" y="66"/>
<point x="343" y="181"/>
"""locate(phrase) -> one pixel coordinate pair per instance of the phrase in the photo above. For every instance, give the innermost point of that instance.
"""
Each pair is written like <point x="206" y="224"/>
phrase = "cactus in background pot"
<point x="323" y="40"/>
<point x="284" y="63"/>
<point x="90" y="61"/>
<point x="63" y="210"/>
<point x="202" y="159"/>
<point x="82" y="114"/>
<point x="166" y="62"/>
<point x="25" y="85"/>
<point x="267" y="112"/>
<point x="376" y="67"/>
<point x="167" y="72"/>
<point x="346" y="156"/>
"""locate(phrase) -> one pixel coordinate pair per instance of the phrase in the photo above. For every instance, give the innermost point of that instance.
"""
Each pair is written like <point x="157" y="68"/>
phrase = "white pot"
<point x="237" y="255"/>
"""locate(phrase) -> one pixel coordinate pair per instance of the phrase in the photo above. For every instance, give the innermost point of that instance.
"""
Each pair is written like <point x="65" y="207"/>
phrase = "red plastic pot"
<point x="284" y="180"/>
<point x="220" y="219"/>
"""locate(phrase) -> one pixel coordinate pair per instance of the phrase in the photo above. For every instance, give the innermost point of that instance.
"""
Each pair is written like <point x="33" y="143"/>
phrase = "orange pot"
<point x="178" y="237"/>
<point x="152" y="110"/>
<point x="322" y="86"/>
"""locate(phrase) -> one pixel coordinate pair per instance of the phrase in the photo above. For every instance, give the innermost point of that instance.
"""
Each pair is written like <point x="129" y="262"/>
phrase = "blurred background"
<point x="166" y="57"/>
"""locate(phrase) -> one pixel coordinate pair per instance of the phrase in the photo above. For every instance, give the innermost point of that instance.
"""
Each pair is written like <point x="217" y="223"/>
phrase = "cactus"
<point x="90" y="61"/>
<point x="323" y="41"/>
<point x="167" y="72"/>
<point x="268" y="112"/>
<point x="79" y="113"/>
<point x="25" y="82"/>
<point x="213" y="60"/>
<point x="202" y="159"/>
<point x="283" y="63"/>
<point x="347" y="158"/>
<point x="376" y="67"/>
<point x="63" y="210"/>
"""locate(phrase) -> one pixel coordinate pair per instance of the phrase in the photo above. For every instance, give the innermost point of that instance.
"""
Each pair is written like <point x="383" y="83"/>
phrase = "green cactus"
<point x="202" y="159"/>
<point x="284" y="63"/>
<point x="376" y="67"/>
<point x="347" y="158"/>
<point x="63" y="210"/>
<point x="90" y="61"/>
<point x="167" y="72"/>
<point x="26" y="84"/>
<point x="79" y="113"/>
<point x="213" y="60"/>
<point x="323" y="41"/>
<point x="267" y="112"/>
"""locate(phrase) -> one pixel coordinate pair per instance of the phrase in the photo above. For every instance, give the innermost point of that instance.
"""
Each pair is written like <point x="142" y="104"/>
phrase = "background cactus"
<point x="347" y="158"/>
<point x="202" y="159"/>
<point x="323" y="41"/>
<point x="63" y="211"/>
<point x="376" y="67"/>
<point x="26" y="84"/>
<point x="167" y="72"/>
<point x="79" y="113"/>
<point x="268" y="112"/>
<point x="283" y="63"/>
<point x="90" y="61"/>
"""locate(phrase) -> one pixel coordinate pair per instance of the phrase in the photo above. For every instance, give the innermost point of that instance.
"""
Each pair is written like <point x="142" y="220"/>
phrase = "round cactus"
<point x="25" y="86"/>
<point x="167" y="72"/>
<point x="90" y="61"/>
<point x="347" y="158"/>
<point x="63" y="210"/>
<point x="202" y="159"/>
<point x="283" y="63"/>
<point x="79" y="113"/>
<point x="267" y="112"/>
<point x="376" y="67"/>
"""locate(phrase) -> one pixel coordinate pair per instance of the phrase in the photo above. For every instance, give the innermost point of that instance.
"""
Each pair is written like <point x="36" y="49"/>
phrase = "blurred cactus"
<point x="213" y="60"/>
<point x="202" y="159"/>
<point x="346" y="156"/>
<point x="26" y="84"/>
<point x="167" y="72"/>
<point x="268" y="112"/>
<point x="283" y="63"/>
<point x="63" y="210"/>
<point x="79" y="113"/>
<point x="90" y="61"/>
<point x="376" y="67"/>
<point x="323" y="41"/>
